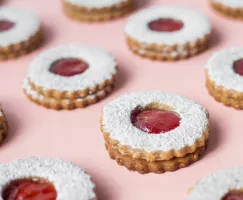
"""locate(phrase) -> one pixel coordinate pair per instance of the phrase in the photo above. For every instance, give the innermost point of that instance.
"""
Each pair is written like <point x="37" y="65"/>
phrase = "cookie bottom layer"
<point x="66" y="104"/>
<point x="23" y="48"/>
<point x="95" y="15"/>
<point x="236" y="13"/>
<point x="143" y="167"/>
<point x="228" y="97"/>
<point x="167" y="53"/>
<point x="3" y="127"/>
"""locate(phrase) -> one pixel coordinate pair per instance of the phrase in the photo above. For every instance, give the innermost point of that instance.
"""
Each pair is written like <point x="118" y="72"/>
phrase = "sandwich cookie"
<point x="69" y="77"/>
<point x="229" y="8"/>
<point x="154" y="131"/>
<point x="93" y="10"/>
<point x="224" y="77"/>
<point x="46" y="179"/>
<point x="167" y="32"/>
<point x="20" y="32"/>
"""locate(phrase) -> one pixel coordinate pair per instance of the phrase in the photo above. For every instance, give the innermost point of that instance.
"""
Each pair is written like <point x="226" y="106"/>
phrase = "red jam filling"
<point x="28" y="189"/>
<point x="154" y="121"/>
<point x="238" y="67"/>
<point x="68" y="67"/>
<point x="6" y="25"/>
<point x="165" y="25"/>
<point x="234" y="196"/>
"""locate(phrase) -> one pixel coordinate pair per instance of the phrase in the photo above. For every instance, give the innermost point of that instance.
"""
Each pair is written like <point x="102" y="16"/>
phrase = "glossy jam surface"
<point x="236" y="195"/>
<point x="6" y="25"/>
<point x="154" y="121"/>
<point x="68" y="67"/>
<point x="238" y="67"/>
<point x="165" y="25"/>
<point x="29" y="189"/>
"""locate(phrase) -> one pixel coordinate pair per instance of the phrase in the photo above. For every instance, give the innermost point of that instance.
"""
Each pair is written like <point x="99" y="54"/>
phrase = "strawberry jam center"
<point x="165" y="25"/>
<point x="234" y="196"/>
<point x="68" y="67"/>
<point x="238" y="67"/>
<point x="154" y="121"/>
<point x="29" y="189"/>
<point x="6" y="25"/>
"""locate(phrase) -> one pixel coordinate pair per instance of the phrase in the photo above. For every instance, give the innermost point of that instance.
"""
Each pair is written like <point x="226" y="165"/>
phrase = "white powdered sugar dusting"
<point x="116" y="121"/>
<point x="196" y="25"/>
<point x="26" y="25"/>
<point x="70" y="181"/>
<point x="95" y="3"/>
<point x="230" y="3"/>
<point x="102" y="66"/>
<point x="37" y="96"/>
<point x="220" y="68"/>
<point x="217" y="185"/>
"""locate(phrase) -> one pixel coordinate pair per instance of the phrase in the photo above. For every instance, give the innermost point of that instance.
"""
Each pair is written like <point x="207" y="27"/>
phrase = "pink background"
<point x="75" y="135"/>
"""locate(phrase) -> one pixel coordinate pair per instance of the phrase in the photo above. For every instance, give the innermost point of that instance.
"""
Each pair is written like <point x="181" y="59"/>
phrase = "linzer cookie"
<point x="20" y="32"/>
<point x="229" y="8"/>
<point x="93" y="10"/>
<point x="69" y="77"/>
<point x="154" y="131"/>
<point x="167" y="32"/>
<point x="3" y="126"/>
<point x="46" y="179"/>
<point x="226" y="184"/>
<point x="224" y="77"/>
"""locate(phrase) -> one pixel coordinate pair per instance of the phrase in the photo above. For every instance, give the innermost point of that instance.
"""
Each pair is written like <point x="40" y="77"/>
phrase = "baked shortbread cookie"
<point x="97" y="10"/>
<point x="167" y="32"/>
<point x="46" y="179"/>
<point x="69" y="77"/>
<point x="224" y="77"/>
<point x="229" y="8"/>
<point x="3" y="126"/>
<point x="20" y="32"/>
<point x="226" y="184"/>
<point x="154" y="131"/>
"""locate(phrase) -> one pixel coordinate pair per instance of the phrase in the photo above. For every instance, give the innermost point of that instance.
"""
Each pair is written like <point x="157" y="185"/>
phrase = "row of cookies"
<point x="160" y="32"/>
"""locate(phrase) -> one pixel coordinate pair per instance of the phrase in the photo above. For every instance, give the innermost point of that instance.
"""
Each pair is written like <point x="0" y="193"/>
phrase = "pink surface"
<point x="75" y="135"/>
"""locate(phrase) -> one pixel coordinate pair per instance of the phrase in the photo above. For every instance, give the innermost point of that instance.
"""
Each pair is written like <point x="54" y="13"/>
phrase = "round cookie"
<point x="20" y="32"/>
<point x="224" y="77"/>
<point x="3" y="126"/>
<point x="154" y="131"/>
<point x="50" y="178"/>
<point x="93" y="10"/>
<point x="226" y="184"/>
<point x="167" y="32"/>
<point x="70" y="76"/>
<point x="229" y="8"/>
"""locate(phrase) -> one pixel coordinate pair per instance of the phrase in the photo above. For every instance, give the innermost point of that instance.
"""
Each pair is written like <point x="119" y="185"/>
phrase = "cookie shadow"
<point x="215" y="38"/>
<point x="123" y="76"/>
<point x="48" y="34"/>
<point x="141" y="4"/>
<point x="214" y="137"/>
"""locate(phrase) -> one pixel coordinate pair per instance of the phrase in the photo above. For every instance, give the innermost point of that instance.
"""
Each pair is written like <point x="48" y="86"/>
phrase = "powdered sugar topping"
<point x="230" y="3"/>
<point x="95" y="3"/>
<point x="220" y="68"/>
<point x="70" y="181"/>
<point x="102" y="66"/>
<point x="116" y="122"/>
<point x="217" y="185"/>
<point x="196" y="25"/>
<point x="26" y="25"/>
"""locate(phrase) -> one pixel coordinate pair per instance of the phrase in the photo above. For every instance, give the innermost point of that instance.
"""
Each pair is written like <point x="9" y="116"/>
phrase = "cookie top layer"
<point x="95" y="3"/>
<point x="230" y="3"/>
<point x="220" y="69"/>
<point x="217" y="185"/>
<point x="116" y="121"/>
<point x="102" y="66"/>
<point x="70" y="181"/>
<point x="26" y="25"/>
<point x="196" y="25"/>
